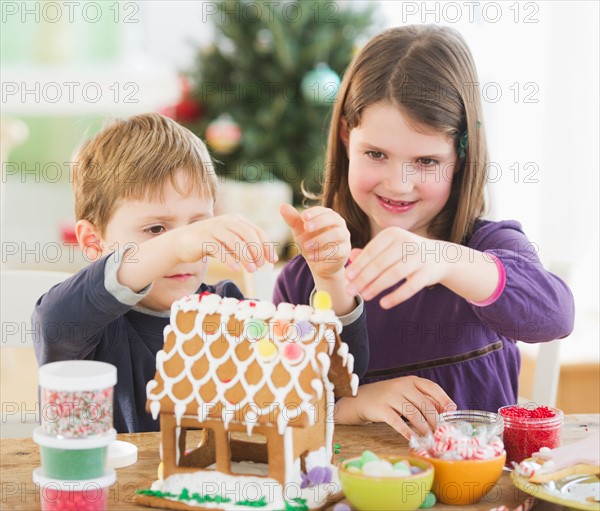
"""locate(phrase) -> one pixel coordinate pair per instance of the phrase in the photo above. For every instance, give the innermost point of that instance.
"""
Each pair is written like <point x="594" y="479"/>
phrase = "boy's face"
<point x="137" y="221"/>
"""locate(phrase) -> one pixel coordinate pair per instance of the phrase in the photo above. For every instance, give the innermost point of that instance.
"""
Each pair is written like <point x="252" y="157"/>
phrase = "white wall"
<point x="548" y="52"/>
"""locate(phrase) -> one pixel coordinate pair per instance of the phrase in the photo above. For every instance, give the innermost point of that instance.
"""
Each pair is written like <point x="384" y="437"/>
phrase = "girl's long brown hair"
<point x="428" y="72"/>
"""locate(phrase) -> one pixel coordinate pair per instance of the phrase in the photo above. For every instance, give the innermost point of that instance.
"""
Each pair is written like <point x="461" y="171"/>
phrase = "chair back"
<point x="20" y="290"/>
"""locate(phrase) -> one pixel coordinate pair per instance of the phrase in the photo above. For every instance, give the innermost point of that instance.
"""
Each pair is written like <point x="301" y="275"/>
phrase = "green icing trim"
<point x="185" y="495"/>
<point x="153" y="493"/>
<point x="297" y="505"/>
<point x="301" y="505"/>
<point x="262" y="502"/>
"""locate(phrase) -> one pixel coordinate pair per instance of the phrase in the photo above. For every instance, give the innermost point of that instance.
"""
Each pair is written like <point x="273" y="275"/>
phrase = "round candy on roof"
<point x="322" y="300"/>
<point x="293" y="352"/>
<point x="255" y="328"/>
<point x="266" y="349"/>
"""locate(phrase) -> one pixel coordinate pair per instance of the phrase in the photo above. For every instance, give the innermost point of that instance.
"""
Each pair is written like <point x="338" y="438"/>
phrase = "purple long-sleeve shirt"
<point x="469" y="351"/>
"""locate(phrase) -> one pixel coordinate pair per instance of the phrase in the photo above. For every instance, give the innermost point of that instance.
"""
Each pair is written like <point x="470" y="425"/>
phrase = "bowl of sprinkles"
<point x="528" y="429"/>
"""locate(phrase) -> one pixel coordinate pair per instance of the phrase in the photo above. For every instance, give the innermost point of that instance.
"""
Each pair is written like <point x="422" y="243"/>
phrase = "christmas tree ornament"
<point x="264" y="41"/>
<point x="187" y="110"/>
<point x="320" y="85"/>
<point x="223" y="134"/>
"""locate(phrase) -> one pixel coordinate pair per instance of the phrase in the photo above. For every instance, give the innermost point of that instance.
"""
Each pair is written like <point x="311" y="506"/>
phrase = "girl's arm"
<point x="535" y="305"/>
<point x="500" y="274"/>
<point x="396" y="255"/>
<point x="324" y="242"/>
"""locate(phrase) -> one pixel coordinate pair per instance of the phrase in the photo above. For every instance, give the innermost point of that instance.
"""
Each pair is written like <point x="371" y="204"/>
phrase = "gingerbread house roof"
<point x="250" y="362"/>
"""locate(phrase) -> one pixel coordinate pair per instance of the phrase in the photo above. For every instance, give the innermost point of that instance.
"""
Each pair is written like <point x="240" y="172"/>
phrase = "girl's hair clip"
<point x="463" y="142"/>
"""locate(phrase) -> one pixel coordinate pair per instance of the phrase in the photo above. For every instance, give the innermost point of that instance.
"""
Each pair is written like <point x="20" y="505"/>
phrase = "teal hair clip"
<point x="463" y="142"/>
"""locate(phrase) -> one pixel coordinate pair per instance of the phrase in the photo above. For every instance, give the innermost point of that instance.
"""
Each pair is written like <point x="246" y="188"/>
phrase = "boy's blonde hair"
<point x="134" y="159"/>
<point x="428" y="72"/>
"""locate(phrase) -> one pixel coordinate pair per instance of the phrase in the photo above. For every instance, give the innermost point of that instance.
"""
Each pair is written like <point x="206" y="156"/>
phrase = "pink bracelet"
<point x="499" y="288"/>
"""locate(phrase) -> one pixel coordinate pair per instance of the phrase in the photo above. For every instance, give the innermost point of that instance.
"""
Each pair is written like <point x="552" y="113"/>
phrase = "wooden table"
<point x="18" y="458"/>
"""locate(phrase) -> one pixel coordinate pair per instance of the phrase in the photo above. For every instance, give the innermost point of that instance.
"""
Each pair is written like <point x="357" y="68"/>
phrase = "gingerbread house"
<point x="237" y="371"/>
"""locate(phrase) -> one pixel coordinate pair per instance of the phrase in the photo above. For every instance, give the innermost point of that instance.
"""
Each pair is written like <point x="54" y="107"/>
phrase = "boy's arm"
<point x="226" y="235"/>
<point x="70" y="318"/>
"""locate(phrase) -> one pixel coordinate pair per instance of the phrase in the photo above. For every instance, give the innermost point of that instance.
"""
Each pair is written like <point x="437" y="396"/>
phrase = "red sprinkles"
<point x="526" y="430"/>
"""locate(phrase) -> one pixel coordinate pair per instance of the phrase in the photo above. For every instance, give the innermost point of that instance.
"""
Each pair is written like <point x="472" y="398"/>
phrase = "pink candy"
<point x="458" y="442"/>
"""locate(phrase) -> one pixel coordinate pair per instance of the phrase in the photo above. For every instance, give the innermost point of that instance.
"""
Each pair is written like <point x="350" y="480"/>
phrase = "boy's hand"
<point x="322" y="236"/>
<point x="392" y="256"/>
<point x="417" y="399"/>
<point x="231" y="237"/>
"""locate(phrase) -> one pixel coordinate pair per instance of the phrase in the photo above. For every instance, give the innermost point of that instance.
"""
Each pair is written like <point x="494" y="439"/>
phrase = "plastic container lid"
<point x="72" y="375"/>
<point x="58" y="442"/>
<point x="108" y="479"/>
<point x="121" y="454"/>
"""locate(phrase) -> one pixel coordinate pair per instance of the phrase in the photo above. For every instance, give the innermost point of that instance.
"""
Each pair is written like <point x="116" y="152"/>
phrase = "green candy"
<point x="429" y="501"/>
<point x="368" y="456"/>
<point x="255" y="329"/>
<point x="357" y="463"/>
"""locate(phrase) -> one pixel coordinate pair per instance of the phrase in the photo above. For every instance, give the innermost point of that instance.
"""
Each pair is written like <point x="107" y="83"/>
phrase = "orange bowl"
<point x="461" y="482"/>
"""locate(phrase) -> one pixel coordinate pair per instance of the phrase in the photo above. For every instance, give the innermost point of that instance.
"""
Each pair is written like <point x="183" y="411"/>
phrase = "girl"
<point x="447" y="293"/>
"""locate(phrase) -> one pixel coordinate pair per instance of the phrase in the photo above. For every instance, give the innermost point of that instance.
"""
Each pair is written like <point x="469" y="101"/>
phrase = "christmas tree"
<point x="267" y="84"/>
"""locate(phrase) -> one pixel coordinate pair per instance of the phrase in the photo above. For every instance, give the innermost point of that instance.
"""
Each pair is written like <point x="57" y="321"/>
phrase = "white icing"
<point x="291" y="465"/>
<point x="350" y="363"/>
<point x="343" y="352"/>
<point x="318" y="458"/>
<point x="235" y="487"/>
<point x="245" y="487"/>
<point x="354" y="384"/>
<point x="303" y="312"/>
<point x="285" y="311"/>
<point x="177" y="435"/>
<point x="264" y="310"/>
<point x="155" y="408"/>
<point x="317" y="385"/>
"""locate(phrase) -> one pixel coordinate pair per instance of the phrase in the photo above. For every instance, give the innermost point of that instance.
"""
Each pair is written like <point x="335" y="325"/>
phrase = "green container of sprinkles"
<point x="73" y="458"/>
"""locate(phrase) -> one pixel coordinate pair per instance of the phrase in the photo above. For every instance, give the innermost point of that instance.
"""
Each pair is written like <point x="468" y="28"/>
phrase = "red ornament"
<point x="187" y="109"/>
<point x="223" y="135"/>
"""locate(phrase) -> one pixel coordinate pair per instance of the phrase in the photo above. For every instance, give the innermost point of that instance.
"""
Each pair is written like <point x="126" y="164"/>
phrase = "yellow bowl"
<point x="368" y="493"/>
<point x="461" y="482"/>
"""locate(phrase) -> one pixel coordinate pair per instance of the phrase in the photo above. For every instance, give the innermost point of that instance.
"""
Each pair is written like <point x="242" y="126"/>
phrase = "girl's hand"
<point x="393" y="256"/>
<point x="231" y="237"/>
<point x="417" y="399"/>
<point x="322" y="237"/>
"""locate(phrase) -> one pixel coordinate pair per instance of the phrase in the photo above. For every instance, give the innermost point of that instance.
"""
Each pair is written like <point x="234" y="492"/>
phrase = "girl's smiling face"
<point x="397" y="175"/>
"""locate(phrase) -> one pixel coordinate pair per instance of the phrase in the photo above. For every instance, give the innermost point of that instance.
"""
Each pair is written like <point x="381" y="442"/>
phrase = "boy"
<point x="144" y="193"/>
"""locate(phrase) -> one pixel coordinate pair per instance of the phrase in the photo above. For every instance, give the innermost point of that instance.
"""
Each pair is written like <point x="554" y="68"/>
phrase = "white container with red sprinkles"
<point x="77" y="397"/>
